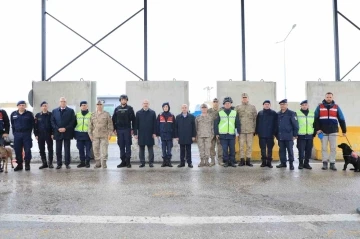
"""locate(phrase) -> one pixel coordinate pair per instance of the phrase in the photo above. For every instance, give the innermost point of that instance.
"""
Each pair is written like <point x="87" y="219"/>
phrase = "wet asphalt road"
<point x="155" y="192"/>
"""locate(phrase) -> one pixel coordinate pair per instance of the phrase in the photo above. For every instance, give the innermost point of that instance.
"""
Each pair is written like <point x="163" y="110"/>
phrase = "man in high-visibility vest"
<point x="83" y="141"/>
<point x="306" y="134"/>
<point x="225" y="127"/>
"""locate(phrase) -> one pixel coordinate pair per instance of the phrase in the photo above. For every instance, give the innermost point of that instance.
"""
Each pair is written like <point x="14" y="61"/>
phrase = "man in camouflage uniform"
<point x="100" y="130"/>
<point x="247" y="114"/>
<point x="214" y="112"/>
<point x="205" y="132"/>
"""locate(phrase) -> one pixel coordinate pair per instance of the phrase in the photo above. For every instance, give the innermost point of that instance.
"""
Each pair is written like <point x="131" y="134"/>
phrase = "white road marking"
<point x="182" y="220"/>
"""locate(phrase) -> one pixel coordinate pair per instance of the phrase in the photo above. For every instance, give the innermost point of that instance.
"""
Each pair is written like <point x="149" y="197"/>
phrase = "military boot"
<point x="164" y="162"/>
<point x="306" y="164"/>
<point x="104" y="164"/>
<point x="18" y="167"/>
<point x="97" y="164"/>
<point x="27" y="165"/>
<point x="291" y="165"/>
<point x="332" y="166"/>
<point x="128" y="164"/>
<point x="248" y="162"/>
<point x="201" y="164"/>
<point x="220" y="162"/>
<point x="325" y="166"/>
<point x="169" y="162"/>
<point x="268" y="162"/>
<point x="212" y="162"/>
<point x="242" y="162"/>
<point x="81" y="164"/>
<point x="263" y="162"/>
<point x="44" y="164"/>
<point x="301" y="164"/>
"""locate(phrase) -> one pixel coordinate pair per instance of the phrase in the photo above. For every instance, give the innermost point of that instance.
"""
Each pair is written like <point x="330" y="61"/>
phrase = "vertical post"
<point x="145" y="42"/>
<point x="336" y="41"/>
<point x="43" y="40"/>
<point x="284" y="69"/>
<point x="243" y="40"/>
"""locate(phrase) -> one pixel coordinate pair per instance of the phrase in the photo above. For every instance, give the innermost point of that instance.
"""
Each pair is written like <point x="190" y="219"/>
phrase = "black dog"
<point x="350" y="157"/>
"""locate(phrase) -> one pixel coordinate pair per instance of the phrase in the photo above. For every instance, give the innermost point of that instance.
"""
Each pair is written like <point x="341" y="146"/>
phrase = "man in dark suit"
<point x="185" y="132"/>
<point x="63" y="122"/>
<point x="145" y="132"/>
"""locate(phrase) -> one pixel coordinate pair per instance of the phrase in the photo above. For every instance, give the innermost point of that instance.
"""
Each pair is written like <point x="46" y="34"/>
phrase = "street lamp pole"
<point x="284" y="41"/>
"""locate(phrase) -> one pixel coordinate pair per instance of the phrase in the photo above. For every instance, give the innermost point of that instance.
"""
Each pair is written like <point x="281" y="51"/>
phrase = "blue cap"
<point x="42" y="103"/>
<point x="84" y="102"/>
<point x="303" y="102"/>
<point x="320" y="135"/>
<point x="284" y="101"/>
<point x="266" y="101"/>
<point x="21" y="102"/>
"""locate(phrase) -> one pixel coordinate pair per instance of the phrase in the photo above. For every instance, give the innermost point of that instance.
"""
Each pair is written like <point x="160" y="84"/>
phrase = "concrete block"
<point x="158" y="92"/>
<point x="346" y="94"/>
<point x="73" y="91"/>
<point x="258" y="91"/>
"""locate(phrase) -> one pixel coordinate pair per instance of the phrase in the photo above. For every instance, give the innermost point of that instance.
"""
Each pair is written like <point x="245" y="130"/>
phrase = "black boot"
<point x="82" y="164"/>
<point x="291" y="165"/>
<point x="164" y="162"/>
<point x="306" y="164"/>
<point x="87" y="164"/>
<point x="27" y="165"/>
<point x="301" y="164"/>
<point x="263" y="162"/>
<point x="232" y="164"/>
<point x="242" y="162"/>
<point x="44" y="165"/>
<point x="281" y="165"/>
<point x="226" y="164"/>
<point x="325" y="166"/>
<point x="248" y="162"/>
<point x="268" y="163"/>
<point x="169" y="163"/>
<point x="332" y="166"/>
<point x="182" y="164"/>
<point x="122" y="164"/>
<point x="128" y="164"/>
<point x="18" y="167"/>
<point x="50" y="163"/>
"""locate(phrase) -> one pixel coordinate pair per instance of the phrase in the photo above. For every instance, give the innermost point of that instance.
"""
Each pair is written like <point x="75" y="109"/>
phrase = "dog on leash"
<point x="350" y="157"/>
<point x="5" y="154"/>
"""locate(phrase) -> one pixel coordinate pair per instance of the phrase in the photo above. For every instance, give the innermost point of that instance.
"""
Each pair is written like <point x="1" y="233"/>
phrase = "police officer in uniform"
<point x="306" y="134"/>
<point x="81" y="134"/>
<point x="44" y="134"/>
<point x="4" y="129"/>
<point x="124" y="122"/>
<point x="224" y="128"/>
<point x="22" y="123"/>
<point x="287" y="131"/>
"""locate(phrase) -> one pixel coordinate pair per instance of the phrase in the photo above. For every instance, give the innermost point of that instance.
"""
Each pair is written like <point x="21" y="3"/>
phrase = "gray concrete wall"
<point x="346" y="94"/>
<point x="158" y="92"/>
<point x="73" y="91"/>
<point x="258" y="91"/>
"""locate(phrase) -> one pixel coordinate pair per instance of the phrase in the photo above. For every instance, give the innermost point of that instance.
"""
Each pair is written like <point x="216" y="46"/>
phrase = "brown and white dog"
<point x="5" y="154"/>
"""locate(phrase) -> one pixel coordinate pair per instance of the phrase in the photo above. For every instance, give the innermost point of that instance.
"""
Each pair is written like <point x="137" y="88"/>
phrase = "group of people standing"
<point x="215" y="132"/>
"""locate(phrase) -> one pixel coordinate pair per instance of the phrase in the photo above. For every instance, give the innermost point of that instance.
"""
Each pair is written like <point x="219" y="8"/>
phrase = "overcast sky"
<point x="192" y="40"/>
